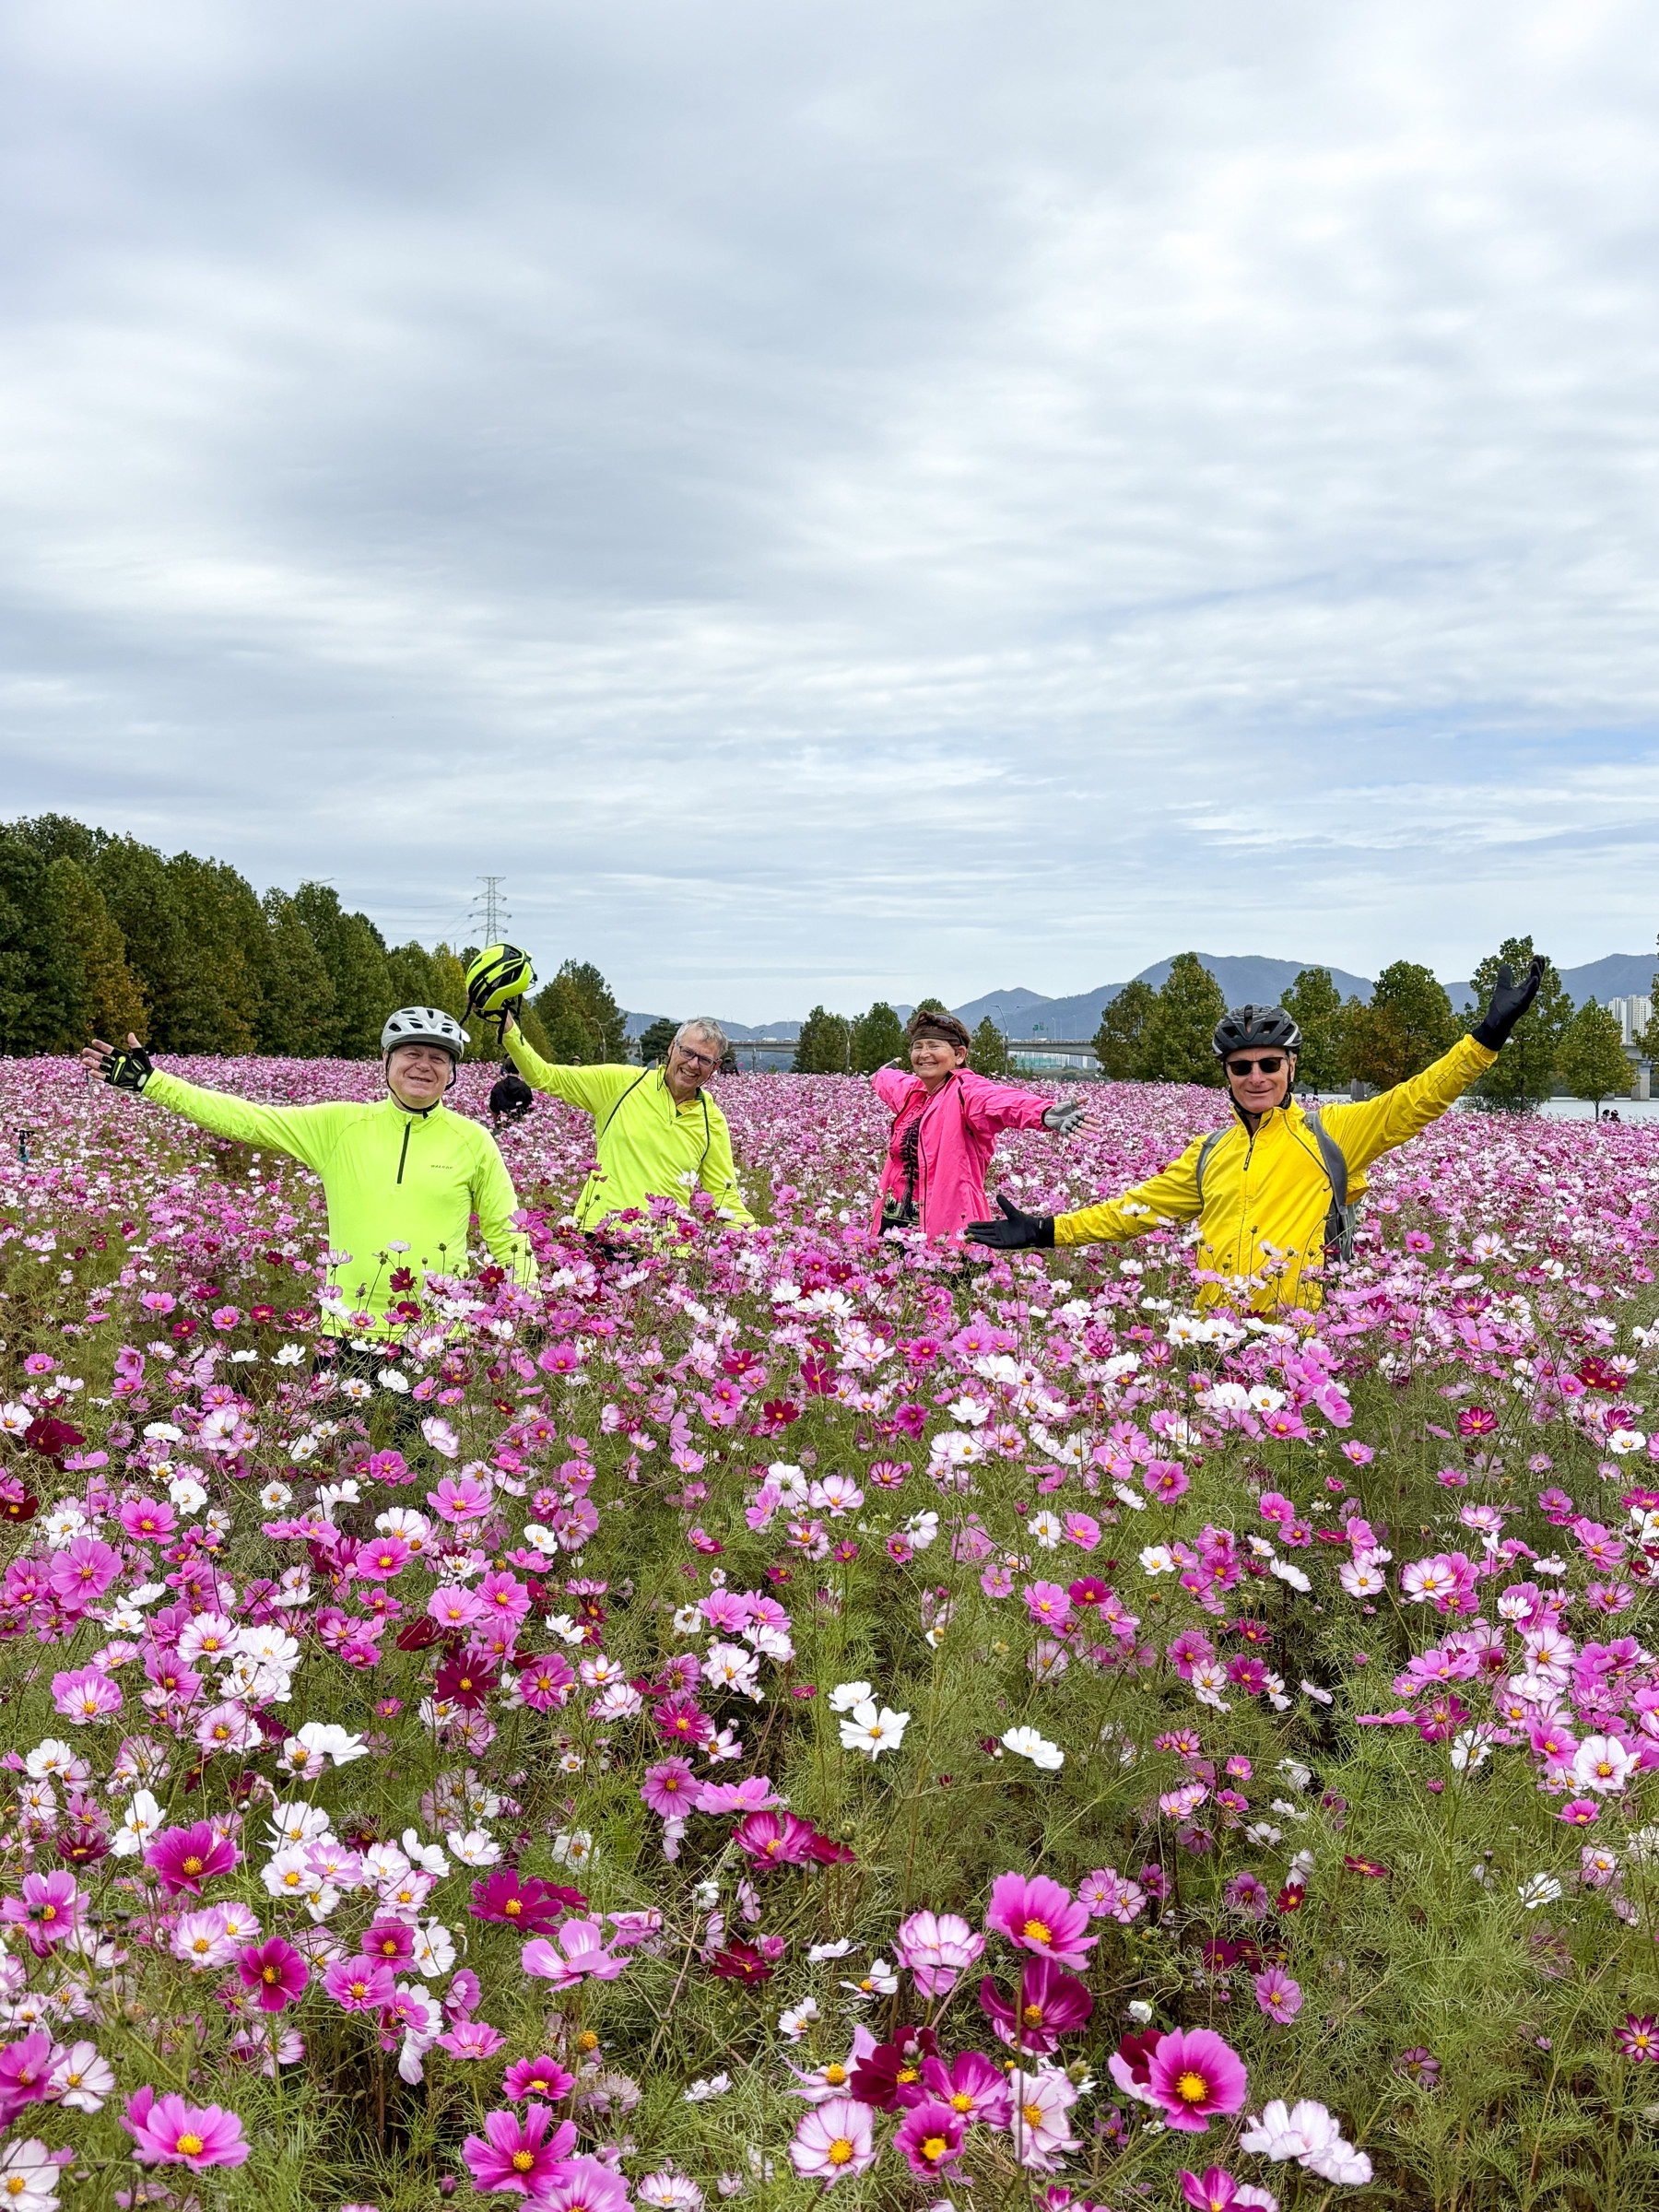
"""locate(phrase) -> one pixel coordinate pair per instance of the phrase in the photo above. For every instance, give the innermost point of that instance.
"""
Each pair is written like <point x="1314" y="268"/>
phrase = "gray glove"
<point x="1064" y="1115"/>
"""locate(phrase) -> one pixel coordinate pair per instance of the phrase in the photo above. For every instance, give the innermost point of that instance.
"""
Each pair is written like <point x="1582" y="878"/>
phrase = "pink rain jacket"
<point x="959" y="1126"/>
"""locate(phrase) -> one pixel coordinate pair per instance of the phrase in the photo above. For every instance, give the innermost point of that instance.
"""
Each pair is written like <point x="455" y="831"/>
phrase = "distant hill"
<point x="1244" y="977"/>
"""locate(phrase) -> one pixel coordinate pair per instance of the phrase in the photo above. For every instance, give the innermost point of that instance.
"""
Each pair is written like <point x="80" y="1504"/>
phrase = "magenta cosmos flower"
<point x="938" y="1947"/>
<point x="930" y="2139"/>
<point x="1050" y="2004"/>
<point x="519" y="2154"/>
<point x="832" y="2141"/>
<point x="273" y="1971"/>
<point x="669" y="1789"/>
<point x="1039" y="1916"/>
<point x="168" y="2132"/>
<point x="1192" y="2075"/>
<point x="523" y="1901"/>
<point x="183" y="1858"/>
<point x="971" y="2085"/>
<point x="541" y="2076"/>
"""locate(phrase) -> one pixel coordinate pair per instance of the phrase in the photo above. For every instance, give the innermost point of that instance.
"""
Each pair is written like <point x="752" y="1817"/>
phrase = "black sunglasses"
<point x="1269" y="1065"/>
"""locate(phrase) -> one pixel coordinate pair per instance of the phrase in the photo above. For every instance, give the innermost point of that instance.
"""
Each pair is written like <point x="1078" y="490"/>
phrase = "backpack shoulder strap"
<point x="1331" y="1152"/>
<point x="1205" y="1149"/>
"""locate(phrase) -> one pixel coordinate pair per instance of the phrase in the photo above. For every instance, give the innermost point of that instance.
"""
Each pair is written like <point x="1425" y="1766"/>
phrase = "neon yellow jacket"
<point x="648" y="1146"/>
<point x="1265" y="1198"/>
<point x="390" y="1178"/>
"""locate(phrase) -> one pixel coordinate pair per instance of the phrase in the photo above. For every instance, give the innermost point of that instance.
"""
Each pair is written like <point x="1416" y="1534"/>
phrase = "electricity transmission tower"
<point x="494" y="908"/>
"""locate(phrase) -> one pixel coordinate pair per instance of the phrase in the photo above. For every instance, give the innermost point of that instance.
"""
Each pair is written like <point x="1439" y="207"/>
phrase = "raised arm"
<point x="594" y="1090"/>
<point x="305" y="1132"/>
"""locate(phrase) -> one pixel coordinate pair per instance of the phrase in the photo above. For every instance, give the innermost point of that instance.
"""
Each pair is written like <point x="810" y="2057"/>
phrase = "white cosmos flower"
<point x="867" y="1729"/>
<point x="1538" y="1890"/>
<point x="143" y="1818"/>
<point x="475" y="1848"/>
<point x="574" y="1848"/>
<point x="715" y="2085"/>
<point x="1029" y="1745"/>
<point x="845" y="1695"/>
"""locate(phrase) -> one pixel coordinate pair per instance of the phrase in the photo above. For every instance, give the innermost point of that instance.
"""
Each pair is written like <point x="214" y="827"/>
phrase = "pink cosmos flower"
<point x="183" y="1858"/>
<point x="832" y="2141"/>
<point x="669" y="1789"/>
<point x="519" y="2154"/>
<point x="929" y="2138"/>
<point x="459" y="1499"/>
<point x="1041" y="2118"/>
<point x="546" y="1681"/>
<point x="359" y="1984"/>
<point x="1193" y="2074"/>
<point x="168" y="2132"/>
<point x="49" y="1908"/>
<point x="577" y="1950"/>
<point x="273" y="1971"/>
<point x="775" y="1838"/>
<point x="471" y="2039"/>
<point x="938" y="1947"/>
<point x="1039" y="1916"/>
<point x="1279" y="1997"/>
<point x="540" y="2077"/>
<point x="84" y="1695"/>
<point x="147" y="1520"/>
<point x="584" y="2185"/>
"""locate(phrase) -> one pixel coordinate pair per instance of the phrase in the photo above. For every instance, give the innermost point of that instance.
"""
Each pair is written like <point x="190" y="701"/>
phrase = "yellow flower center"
<point x="841" y="2150"/>
<point x="193" y="1865"/>
<point x="189" y="2146"/>
<point x="932" y="2147"/>
<point x="1032" y="2114"/>
<point x="523" y="2160"/>
<point x="1035" y="1932"/>
<point x="267" y="1974"/>
<point x="513" y="1907"/>
<point x="1032" y="2016"/>
<point x="834" y="2076"/>
<point x="1191" y="2088"/>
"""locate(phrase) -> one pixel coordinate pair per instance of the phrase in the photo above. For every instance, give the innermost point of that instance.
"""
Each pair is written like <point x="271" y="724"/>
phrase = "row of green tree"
<point x="1164" y="1036"/>
<point x="836" y="1044"/>
<point x="100" y="935"/>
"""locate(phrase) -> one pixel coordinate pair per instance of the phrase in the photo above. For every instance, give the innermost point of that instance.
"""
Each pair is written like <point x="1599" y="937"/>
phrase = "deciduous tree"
<point x="1177" y="1040"/>
<point x="1117" y="1042"/>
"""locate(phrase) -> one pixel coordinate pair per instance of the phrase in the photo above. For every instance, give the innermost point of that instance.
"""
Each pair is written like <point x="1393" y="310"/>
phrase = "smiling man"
<point x="657" y="1132"/>
<point x="403" y="1175"/>
<point x="1272" y="1194"/>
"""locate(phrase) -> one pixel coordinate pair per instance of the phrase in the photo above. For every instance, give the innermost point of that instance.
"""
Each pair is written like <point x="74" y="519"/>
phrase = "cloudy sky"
<point x="831" y="500"/>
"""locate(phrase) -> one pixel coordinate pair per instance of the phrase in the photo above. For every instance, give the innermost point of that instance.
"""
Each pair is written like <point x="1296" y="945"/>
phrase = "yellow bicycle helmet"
<point x="500" y="974"/>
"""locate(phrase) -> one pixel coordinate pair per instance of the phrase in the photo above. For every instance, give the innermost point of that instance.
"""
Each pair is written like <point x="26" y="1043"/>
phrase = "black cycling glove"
<point x="129" y="1069"/>
<point x="1015" y="1231"/>
<point x="1509" y="1000"/>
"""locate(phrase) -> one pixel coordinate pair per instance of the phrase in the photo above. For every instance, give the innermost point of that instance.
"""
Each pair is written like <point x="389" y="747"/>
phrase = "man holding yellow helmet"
<point x="658" y="1133"/>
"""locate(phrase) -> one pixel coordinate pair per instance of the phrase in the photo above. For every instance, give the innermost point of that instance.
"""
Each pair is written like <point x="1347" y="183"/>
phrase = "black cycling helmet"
<point x="1255" y="1029"/>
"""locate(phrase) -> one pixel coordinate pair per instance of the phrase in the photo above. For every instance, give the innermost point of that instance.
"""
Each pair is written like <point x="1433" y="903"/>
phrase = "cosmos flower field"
<point x="765" y="1713"/>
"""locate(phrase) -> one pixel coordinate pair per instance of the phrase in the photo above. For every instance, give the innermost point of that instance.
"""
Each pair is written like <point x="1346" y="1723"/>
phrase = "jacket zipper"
<point x="404" y="1154"/>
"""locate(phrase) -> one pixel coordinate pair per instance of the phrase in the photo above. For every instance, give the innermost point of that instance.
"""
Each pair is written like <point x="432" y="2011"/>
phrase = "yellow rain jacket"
<point x="391" y="1177"/>
<point x="648" y="1145"/>
<point x="1265" y="1198"/>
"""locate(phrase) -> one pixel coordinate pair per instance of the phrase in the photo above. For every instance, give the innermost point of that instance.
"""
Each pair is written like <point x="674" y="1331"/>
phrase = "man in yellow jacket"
<point x="1274" y="1192"/>
<point x="402" y="1176"/>
<point x="657" y="1132"/>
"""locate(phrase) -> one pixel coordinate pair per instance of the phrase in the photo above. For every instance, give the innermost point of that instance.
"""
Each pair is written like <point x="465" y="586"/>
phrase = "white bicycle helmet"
<point x="424" y="1025"/>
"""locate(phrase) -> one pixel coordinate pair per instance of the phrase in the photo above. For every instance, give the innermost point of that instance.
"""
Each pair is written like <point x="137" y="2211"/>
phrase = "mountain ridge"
<point x="1019" y="1011"/>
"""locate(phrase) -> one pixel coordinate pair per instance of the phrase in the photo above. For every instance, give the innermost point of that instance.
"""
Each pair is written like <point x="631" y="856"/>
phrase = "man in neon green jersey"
<point x="658" y="1133"/>
<point x="403" y="1175"/>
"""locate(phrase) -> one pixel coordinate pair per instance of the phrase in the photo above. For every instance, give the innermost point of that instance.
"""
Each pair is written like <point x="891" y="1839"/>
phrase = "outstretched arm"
<point x="495" y="1202"/>
<point x="302" y="1131"/>
<point x="1171" y="1195"/>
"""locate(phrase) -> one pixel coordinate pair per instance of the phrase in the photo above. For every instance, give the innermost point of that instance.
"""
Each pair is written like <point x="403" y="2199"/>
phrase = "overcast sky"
<point x="832" y="501"/>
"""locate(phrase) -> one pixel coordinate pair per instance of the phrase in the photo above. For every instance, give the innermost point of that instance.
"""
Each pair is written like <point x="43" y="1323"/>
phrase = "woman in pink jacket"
<point x="946" y="1122"/>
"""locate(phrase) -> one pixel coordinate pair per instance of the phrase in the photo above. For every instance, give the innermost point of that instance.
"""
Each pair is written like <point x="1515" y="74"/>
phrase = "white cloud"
<point x="884" y="499"/>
